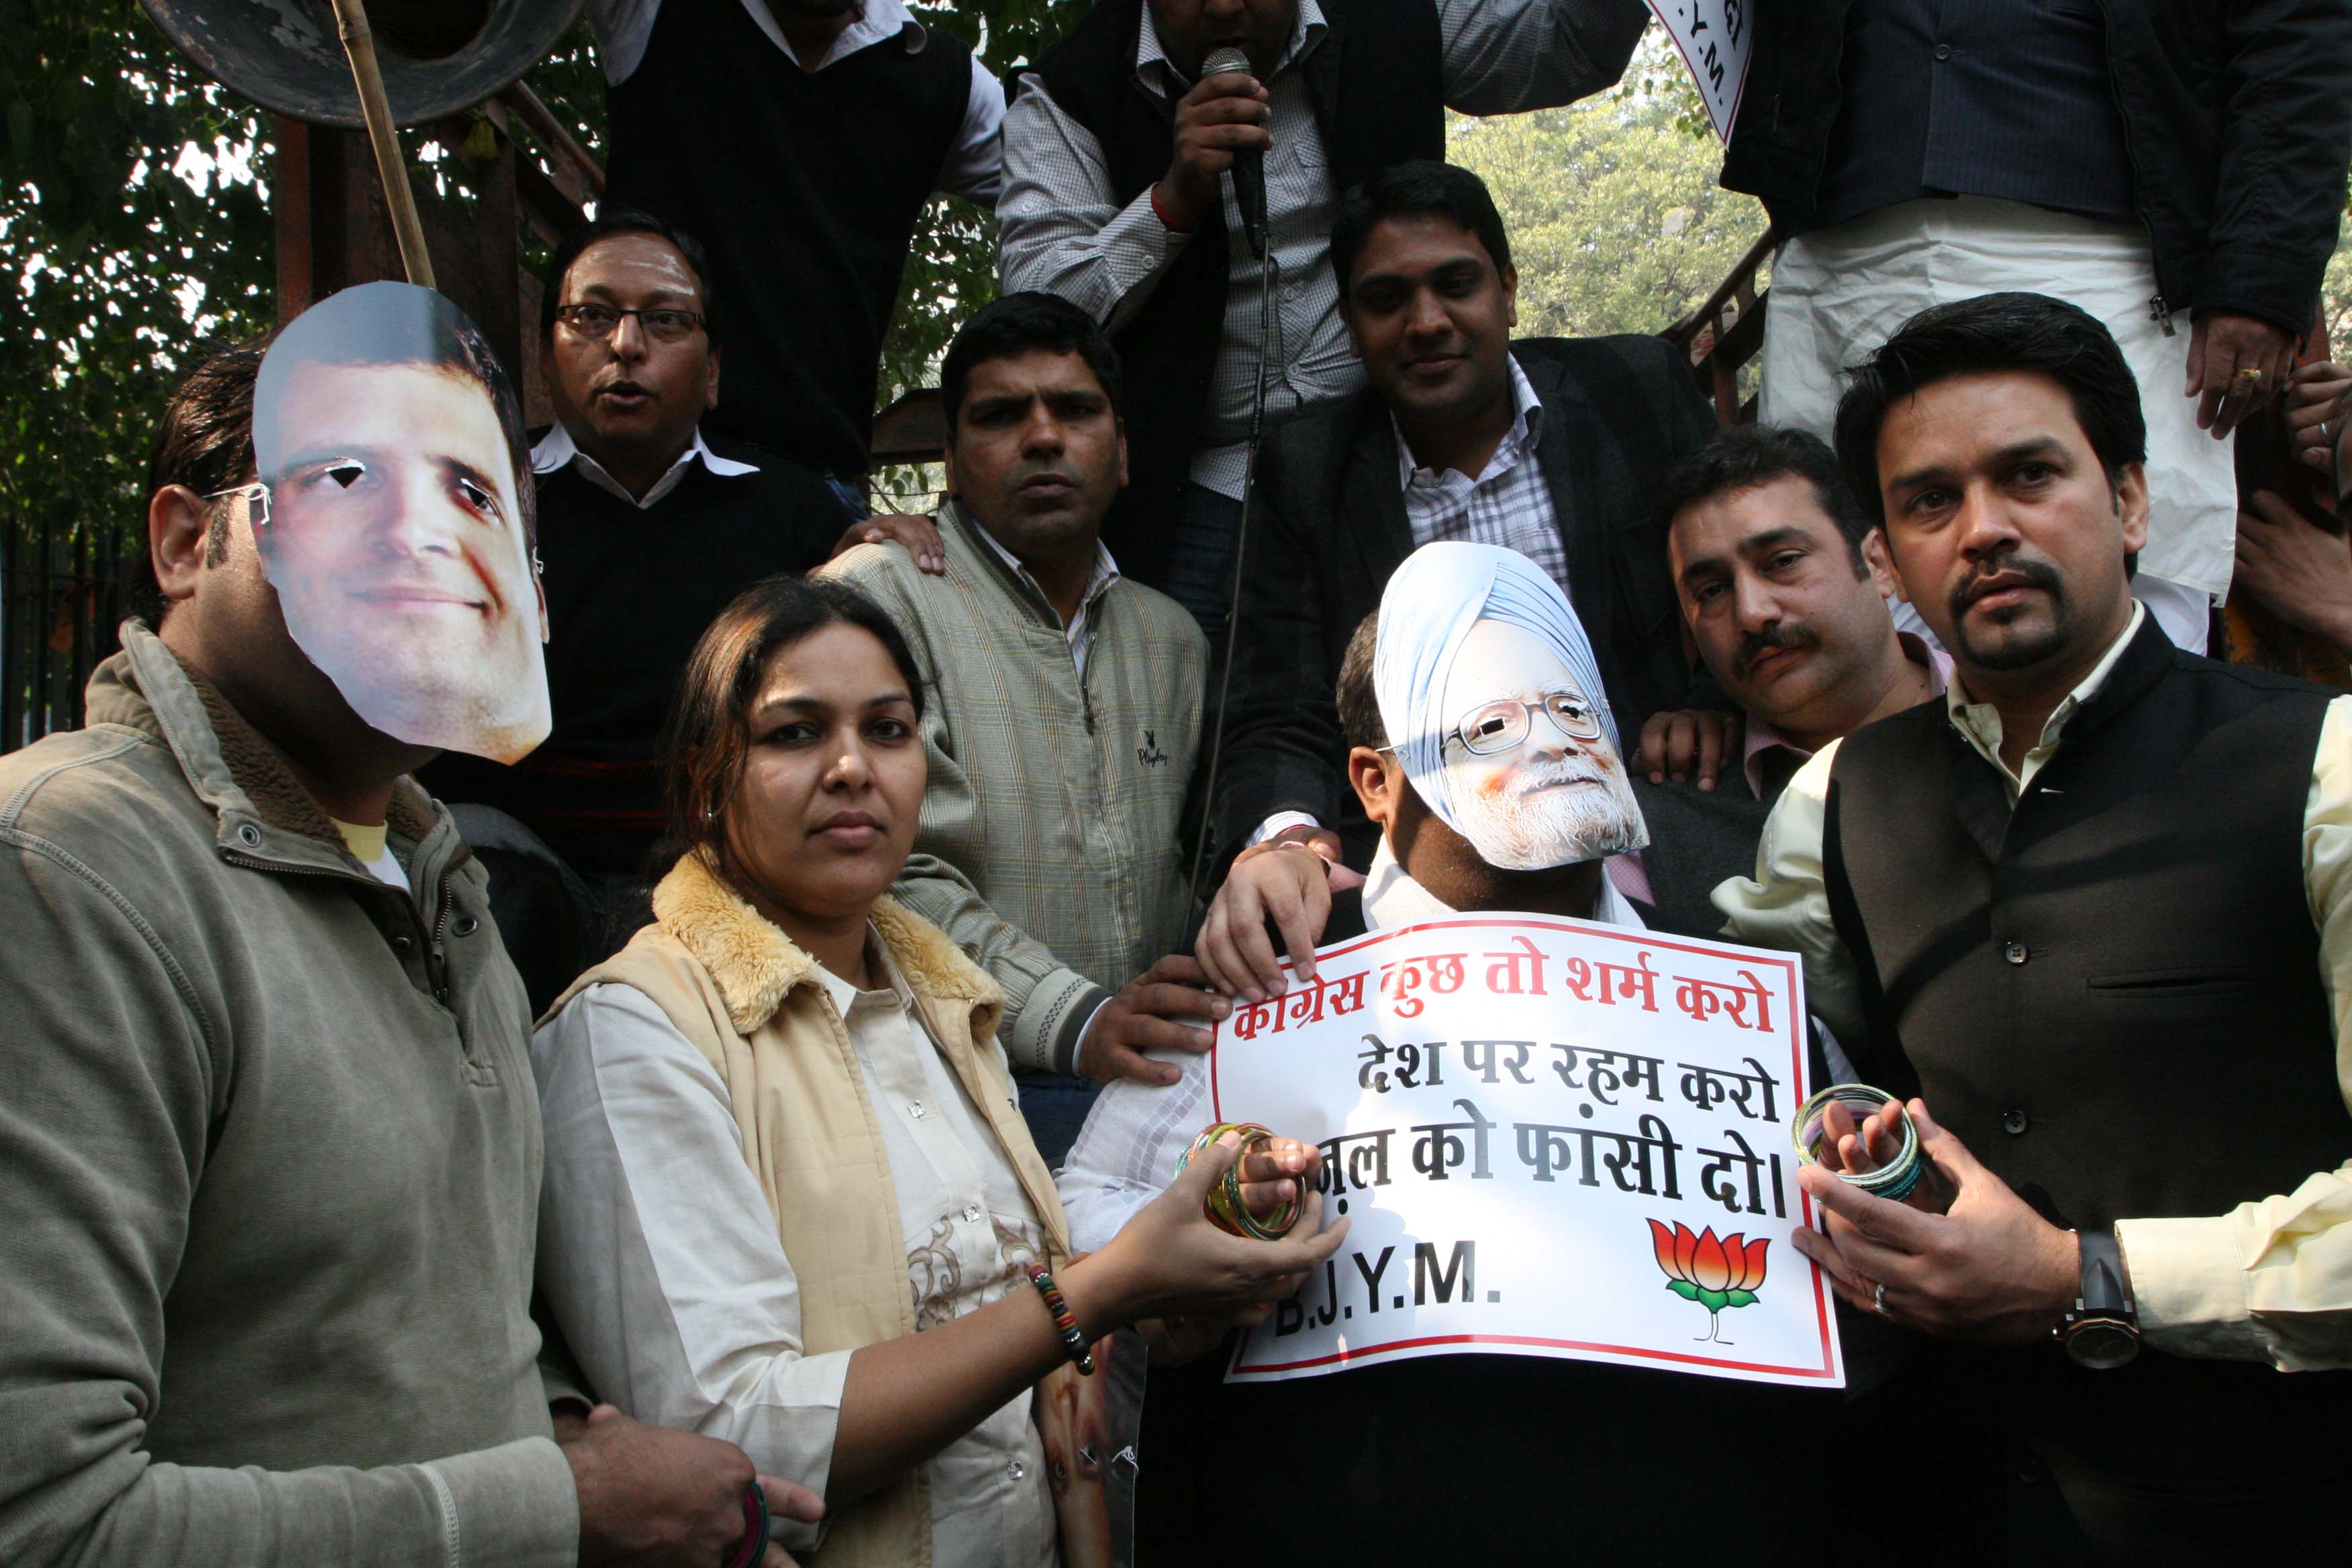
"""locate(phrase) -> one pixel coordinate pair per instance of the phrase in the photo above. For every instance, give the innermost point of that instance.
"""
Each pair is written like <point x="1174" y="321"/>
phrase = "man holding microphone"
<point x="1114" y="152"/>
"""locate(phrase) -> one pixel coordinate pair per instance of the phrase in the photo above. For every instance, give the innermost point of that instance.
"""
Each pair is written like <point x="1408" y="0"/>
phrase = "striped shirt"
<point x="1509" y="504"/>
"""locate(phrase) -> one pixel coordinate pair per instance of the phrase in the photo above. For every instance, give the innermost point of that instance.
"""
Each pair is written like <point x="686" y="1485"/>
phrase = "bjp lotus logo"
<point x="1715" y="1274"/>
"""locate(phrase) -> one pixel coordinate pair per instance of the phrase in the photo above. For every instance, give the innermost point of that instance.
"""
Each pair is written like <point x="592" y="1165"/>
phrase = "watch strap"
<point x="2102" y="1289"/>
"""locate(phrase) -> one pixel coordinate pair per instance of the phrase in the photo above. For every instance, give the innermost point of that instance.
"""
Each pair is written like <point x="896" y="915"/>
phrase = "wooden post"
<point x="358" y="46"/>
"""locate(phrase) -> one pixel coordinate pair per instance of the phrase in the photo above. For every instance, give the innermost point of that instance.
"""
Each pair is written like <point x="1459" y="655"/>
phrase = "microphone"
<point x="1249" y="166"/>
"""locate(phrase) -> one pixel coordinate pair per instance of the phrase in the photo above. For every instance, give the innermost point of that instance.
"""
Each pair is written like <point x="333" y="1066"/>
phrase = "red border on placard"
<point x="1782" y="962"/>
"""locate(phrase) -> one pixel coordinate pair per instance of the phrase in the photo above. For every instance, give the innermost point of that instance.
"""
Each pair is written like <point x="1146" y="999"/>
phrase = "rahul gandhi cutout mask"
<point x="1489" y="687"/>
<point x="400" y="532"/>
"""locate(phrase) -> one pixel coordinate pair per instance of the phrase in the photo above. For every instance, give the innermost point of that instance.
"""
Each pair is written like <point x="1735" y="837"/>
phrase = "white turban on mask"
<point x="1547" y="801"/>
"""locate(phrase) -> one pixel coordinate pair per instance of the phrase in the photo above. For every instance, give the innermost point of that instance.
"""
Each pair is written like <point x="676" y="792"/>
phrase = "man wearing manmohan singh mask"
<point x="1519" y="753"/>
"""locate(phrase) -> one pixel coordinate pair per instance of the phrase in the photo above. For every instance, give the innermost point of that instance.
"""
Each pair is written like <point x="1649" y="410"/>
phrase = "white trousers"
<point x="1839" y="293"/>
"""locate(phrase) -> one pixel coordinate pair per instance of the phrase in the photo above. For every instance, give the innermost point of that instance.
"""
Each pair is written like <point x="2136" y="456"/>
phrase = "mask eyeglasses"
<point x="1502" y="725"/>
<point x="256" y="500"/>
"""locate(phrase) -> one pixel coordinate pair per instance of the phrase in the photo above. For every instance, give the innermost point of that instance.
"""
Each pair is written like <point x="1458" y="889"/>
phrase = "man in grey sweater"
<point x="270" y="1154"/>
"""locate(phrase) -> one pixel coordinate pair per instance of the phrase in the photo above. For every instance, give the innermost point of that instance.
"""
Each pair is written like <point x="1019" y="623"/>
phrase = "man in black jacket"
<point x="1550" y="446"/>
<point x="1116" y="150"/>
<point x="2175" y="167"/>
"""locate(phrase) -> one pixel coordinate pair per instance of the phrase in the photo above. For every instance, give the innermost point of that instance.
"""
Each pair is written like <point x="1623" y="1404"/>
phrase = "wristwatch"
<point x="2103" y="1330"/>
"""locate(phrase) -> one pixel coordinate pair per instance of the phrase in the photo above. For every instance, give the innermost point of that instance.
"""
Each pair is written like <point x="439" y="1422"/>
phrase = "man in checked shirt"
<point x="1114" y="150"/>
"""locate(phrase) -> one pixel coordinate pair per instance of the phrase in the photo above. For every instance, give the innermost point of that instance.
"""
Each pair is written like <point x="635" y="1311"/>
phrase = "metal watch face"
<point x="2102" y="1342"/>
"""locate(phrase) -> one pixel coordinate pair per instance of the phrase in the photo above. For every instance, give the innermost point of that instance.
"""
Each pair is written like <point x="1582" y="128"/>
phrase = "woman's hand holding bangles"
<point x="1170" y="1260"/>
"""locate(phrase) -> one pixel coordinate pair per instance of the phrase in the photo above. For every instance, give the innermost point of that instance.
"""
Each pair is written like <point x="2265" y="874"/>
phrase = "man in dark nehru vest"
<point x="1114" y="150"/>
<point x="801" y="138"/>
<point x="2093" y="905"/>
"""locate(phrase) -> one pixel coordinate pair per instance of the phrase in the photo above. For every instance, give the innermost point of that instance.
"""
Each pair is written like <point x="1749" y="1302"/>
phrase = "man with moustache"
<point x="647" y="528"/>
<point x="803" y="138"/>
<point x="1783" y="583"/>
<point x="2095" y="907"/>
<point x="1553" y="448"/>
<point x="1495" y="786"/>
<point x="1063" y="718"/>
<point x="269" y="1200"/>
<point x="1115" y="151"/>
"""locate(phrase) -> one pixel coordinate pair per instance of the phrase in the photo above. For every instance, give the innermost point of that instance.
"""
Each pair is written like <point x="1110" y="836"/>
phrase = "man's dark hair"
<point x="2014" y="332"/>
<point x="1358" y="702"/>
<point x="204" y="442"/>
<point x="1019" y="324"/>
<point x="626" y="220"/>
<point x="1742" y="456"/>
<point x="361" y="326"/>
<point x="1410" y="190"/>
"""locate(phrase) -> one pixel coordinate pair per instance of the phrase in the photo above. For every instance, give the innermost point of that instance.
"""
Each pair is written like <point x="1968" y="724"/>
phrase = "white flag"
<point x="1713" y="36"/>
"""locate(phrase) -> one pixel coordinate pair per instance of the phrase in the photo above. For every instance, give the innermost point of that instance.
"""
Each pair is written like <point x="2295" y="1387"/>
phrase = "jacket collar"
<point x="756" y="966"/>
<point x="265" y="813"/>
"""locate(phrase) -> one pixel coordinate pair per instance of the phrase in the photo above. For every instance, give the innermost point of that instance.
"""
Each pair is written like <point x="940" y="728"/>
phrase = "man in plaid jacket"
<point x="1062" y="718"/>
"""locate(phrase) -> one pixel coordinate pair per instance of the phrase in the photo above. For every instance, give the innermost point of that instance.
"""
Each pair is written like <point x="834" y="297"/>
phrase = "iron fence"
<point x="61" y="598"/>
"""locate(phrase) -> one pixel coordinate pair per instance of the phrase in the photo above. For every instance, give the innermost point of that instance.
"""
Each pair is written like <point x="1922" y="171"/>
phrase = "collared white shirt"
<point x="1979" y="722"/>
<point x="660" y="1255"/>
<point x="556" y="448"/>
<point x="1508" y="503"/>
<point x="1079" y="629"/>
<point x="1061" y="229"/>
<point x="1126" y="1154"/>
<point x="975" y="166"/>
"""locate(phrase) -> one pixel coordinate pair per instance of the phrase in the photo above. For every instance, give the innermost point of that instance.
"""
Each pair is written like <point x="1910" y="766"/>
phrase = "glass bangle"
<point x="1893" y="1181"/>
<point x="1223" y="1207"/>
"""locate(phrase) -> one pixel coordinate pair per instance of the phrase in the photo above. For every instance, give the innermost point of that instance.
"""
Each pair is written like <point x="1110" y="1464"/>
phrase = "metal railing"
<point x="61" y="598"/>
<point x="1723" y="335"/>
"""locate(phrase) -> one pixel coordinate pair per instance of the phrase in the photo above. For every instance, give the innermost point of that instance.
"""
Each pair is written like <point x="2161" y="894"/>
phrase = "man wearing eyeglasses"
<point x="649" y="527"/>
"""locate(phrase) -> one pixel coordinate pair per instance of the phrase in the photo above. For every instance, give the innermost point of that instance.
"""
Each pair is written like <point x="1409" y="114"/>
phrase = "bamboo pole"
<point x="359" y="48"/>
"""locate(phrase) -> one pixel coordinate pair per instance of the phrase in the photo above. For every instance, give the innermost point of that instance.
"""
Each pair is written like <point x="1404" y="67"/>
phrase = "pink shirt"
<point x="1626" y="873"/>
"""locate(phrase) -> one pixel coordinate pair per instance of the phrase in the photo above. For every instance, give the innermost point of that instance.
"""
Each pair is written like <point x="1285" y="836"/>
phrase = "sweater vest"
<point x="805" y="187"/>
<point x="1377" y="91"/>
<point x="2110" y="993"/>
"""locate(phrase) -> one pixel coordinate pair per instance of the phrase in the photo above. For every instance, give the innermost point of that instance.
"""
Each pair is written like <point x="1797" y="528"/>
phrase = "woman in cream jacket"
<point x="788" y="1196"/>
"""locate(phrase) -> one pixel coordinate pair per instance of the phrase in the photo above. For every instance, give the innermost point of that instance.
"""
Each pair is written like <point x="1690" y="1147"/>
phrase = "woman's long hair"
<point x="709" y="738"/>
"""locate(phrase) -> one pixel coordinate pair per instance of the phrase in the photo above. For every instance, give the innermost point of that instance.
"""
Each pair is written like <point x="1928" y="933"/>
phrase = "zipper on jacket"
<point x="2161" y="313"/>
<point x="437" y="966"/>
<point x="437" y="970"/>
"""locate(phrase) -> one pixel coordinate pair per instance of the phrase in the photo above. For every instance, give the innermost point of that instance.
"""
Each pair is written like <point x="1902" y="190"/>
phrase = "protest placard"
<point x="1552" y="1138"/>
<point x="1714" y="38"/>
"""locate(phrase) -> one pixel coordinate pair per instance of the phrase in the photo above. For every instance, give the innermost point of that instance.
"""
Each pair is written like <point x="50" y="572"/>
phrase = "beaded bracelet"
<point x="1065" y="1321"/>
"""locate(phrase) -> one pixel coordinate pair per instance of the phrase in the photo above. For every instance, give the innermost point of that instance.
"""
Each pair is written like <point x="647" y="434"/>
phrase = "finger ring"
<point x="2252" y="375"/>
<point x="1878" y="1298"/>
